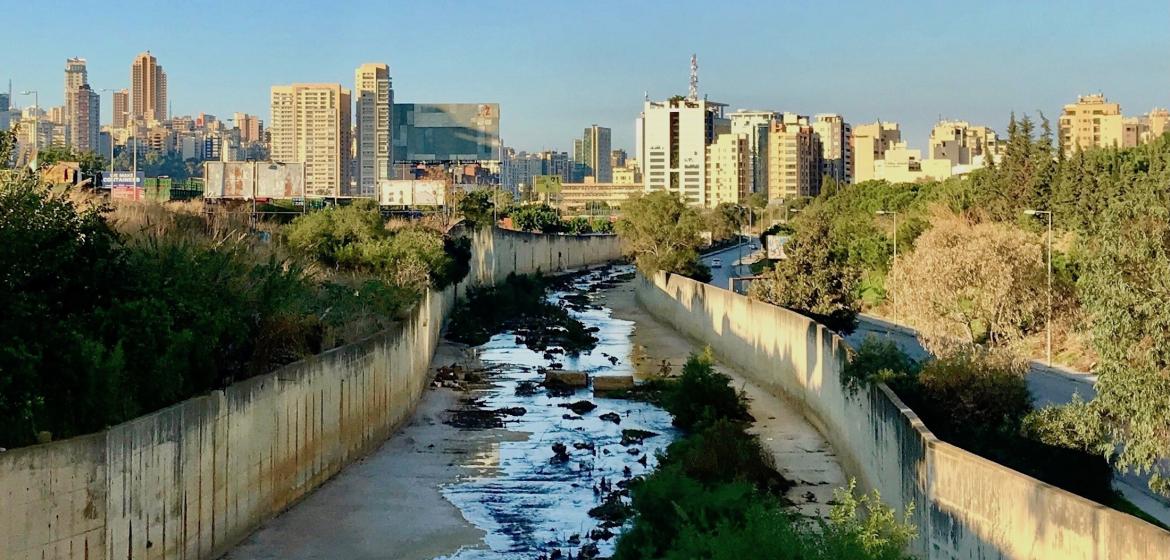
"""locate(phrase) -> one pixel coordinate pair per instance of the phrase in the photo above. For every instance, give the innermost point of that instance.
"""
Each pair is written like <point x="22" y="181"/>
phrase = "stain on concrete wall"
<point x="190" y="481"/>
<point x="965" y="506"/>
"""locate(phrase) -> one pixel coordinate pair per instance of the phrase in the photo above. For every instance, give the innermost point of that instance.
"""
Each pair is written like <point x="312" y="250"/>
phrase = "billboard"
<point x="545" y="184"/>
<point x="776" y="246"/>
<point x="423" y="192"/>
<point x="127" y="193"/>
<point x="446" y="132"/>
<point x="124" y="179"/>
<point x="244" y="180"/>
<point x="280" y="180"/>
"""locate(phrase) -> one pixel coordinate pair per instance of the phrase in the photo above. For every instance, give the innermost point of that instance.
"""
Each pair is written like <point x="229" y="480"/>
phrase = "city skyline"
<point x="979" y="69"/>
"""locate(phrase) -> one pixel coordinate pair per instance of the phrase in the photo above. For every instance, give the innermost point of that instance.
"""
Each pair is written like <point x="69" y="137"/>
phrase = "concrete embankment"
<point x="964" y="506"/>
<point x="191" y="480"/>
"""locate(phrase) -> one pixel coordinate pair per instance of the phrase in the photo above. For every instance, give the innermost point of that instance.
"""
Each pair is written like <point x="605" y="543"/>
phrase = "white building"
<point x="374" y="101"/>
<point x="675" y="136"/>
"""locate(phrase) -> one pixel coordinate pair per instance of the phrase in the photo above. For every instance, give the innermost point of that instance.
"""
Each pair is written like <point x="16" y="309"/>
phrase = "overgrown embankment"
<point x="519" y="305"/>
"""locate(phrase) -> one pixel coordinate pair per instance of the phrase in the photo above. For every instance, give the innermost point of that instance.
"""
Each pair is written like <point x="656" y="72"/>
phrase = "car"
<point x="717" y="262"/>
<point x="754" y="247"/>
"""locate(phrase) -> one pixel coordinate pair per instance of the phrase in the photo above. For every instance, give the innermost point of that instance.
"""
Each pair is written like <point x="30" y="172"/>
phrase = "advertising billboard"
<point x="127" y="193"/>
<point x="776" y="246"/>
<point x="546" y="184"/>
<point x="425" y="192"/>
<point x="280" y="180"/>
<point x="124" y="179"/>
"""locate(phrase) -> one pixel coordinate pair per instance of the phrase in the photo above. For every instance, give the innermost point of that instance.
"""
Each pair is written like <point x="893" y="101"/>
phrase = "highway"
<point x="1048" y="385"/>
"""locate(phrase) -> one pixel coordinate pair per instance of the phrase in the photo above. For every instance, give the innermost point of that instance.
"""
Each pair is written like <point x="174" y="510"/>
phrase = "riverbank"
<point x="801" y="453"/>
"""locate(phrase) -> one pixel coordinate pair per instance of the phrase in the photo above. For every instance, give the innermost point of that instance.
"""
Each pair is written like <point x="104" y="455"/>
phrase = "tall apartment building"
<point x="84" y="119"/>
<point x="755" y="124"/>
<point x="557" y="163"/>
<point x="121" y="108"/>
<point x="310" y="124"/>
<point x="675" y="134"/>
<point x="374" y="97"/>
<point x="728" y="172"/>
<point x="794" y="160"/>
<point x="962" y="144"/>
<point x="1091" y="122"/>
<point x="836" y="153"/>
<point x="5" y="117"/>
<point x="148" y="90"/>
<point x="75" y="77"/>
<point x="869" y="144"/>
<point x="594" y="153"/>
<point x="617" y="158"/>
<point x="251" y="130"/>
<point x="1157" y="124"/>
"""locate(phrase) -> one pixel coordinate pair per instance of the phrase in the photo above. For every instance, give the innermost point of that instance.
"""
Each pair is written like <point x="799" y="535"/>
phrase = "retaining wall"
<point x="191" y="480"/>
<point x="964" y="506"/>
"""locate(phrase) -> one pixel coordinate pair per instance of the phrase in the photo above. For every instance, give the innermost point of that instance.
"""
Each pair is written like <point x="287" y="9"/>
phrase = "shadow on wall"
<point x="965" y="505"/>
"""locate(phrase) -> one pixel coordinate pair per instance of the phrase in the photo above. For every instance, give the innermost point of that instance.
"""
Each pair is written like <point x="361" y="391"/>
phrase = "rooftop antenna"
<point x="694" y="93"/>
<point x="645" y="94"/>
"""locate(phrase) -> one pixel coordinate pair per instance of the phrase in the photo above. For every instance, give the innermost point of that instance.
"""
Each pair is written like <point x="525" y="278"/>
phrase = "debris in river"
<point x="512" y="411"/>
<point x="589" y="552"/>
<point x="632" y="436"/>
<point x="602" y="534"/>
<point x="607" y="384"/>
<point x="560" y="453"/>
<point x="526" y="388"/>
<point x="580" y="407"/>
<point x="570" y="378"/>
<point x="570" y="417"/>
<point x="613" y="511"/>
<point x="583" y="445"/>
<point x="611" y="417"/>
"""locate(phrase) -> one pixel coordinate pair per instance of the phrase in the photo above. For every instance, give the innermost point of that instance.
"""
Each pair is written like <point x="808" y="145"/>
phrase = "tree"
<point x="724" y="221"/>
<point x="1126" y="291"/>
<point x="967" y="284"/>
<point x="537" y="217"/>
<point x="662" y="233"/>
<point x="814" y="280"/>
<point x="477" y="208"/>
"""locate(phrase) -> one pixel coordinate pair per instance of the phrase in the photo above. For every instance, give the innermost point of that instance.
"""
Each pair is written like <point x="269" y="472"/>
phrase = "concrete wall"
<point x="965" y="506"/>
<point x="191" y="480"/>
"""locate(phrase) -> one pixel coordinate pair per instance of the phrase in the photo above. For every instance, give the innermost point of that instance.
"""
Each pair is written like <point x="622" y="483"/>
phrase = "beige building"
<point x="1157" y="124"/>
<point x="121" y="108"/>
<point x="836" y="153"/>
<point x="755" y="124"/>
<point x="575" y="197"/>
<point x="374" y="100"/>
<point x="729" y="176"/>
<point x="310" y="124"/>
<point x="964" y="145"/>
<point x="794" y="160"/>
<point x="84" y="118"/>
<point x="900" y="164"/>
<point x="628" y="174"/>
<point x="249" y="127"/>
<point x="1094" y="122"/>
<point x="148" y="90"/>
<point x="869" y="144"/>
<point x="75" y="77"/>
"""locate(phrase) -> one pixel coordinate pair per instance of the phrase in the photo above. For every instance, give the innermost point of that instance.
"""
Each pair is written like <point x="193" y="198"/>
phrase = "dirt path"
<point x="801" y="453"/>
<point x="387" y="505"/>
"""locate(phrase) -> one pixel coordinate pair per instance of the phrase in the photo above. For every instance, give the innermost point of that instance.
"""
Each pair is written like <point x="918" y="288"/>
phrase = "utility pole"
<point x="36" y="125"/>
<point x="894" y="215"/>
<point x="1048" y="322"/>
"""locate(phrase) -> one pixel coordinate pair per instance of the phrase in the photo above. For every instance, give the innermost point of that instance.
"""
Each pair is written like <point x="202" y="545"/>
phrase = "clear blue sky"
<point x="557" y="67"/>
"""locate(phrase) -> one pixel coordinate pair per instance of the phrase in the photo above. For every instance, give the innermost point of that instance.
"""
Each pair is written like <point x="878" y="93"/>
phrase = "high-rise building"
<point x="962" y="144"/>
<point x="310" y="124"/>
<point x="675" y="134"/>
<point x="121" y="108"/>
<point x="1157" y="124"/>
<point x="75" y="77"/>
<point x="794" y="160"/>
<point x="617" y="158"/>
<point x="5" y="117"/>
<point x="84" y="119"/>
<point x="557" y="163"/>
<point x="251" y="130"/>
<point x="869" y="144"/>
<point x="374" y="99"/>
<point x="728" y="172"/>
<point x="836" y="155"/>
<point x="755" y="124"/>
<point x="148" y="90"/>
<point x="595" y="152"/>
<point x="1091" y="122"/>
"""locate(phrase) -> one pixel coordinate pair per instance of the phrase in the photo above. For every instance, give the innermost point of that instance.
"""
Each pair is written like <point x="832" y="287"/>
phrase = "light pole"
<point x="1048" y="322"/>
<point x="111" y="90"/>
<point x="893" y="214"/>
<point x="36" y="124"/>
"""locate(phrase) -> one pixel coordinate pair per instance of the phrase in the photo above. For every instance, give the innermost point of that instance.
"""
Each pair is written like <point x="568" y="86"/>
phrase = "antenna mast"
<point x="694" y="93"/>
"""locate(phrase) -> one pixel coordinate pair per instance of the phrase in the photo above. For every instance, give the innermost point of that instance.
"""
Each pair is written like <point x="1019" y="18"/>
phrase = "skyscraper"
<point x="148" y="90"/>
<point x="75" y="77"/>
<point x="310" y="124"/>
<point x="595" y="152"/>
<point x="84" y="118"/>
<point x="121" y="108"/>
<point x="374" y="95"/>
<point x="249" y="127"/>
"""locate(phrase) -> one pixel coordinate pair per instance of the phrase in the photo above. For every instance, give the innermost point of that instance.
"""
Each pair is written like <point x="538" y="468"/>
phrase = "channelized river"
<point x="532" y="501"/>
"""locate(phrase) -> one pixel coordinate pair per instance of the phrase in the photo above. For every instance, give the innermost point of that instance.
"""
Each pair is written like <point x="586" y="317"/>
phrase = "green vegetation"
<point x="110" y="313"/>
<point x="716" y="494"/>
<point x="545" y="219"/>
<point x="519" y="305"/>
<point x="662" y="233"/>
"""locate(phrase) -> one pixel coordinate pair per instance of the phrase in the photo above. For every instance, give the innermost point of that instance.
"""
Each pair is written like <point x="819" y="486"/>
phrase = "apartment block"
<point x="75" y="77"/>
<point x="121" y="108"/>
<point x="375" y="103"/>
<point x="868" y="144"/>
<point x="310" y="124"/>
<point x="728" y="171"/>
<point x="755" y="124"/>
<point x="963" y="145"/>
<point x="675" y="134"/>
<point x="836" y="152"/>
<point x="84" y="119"/>
<point x="595" y="153"/>
<point x="794" y="160"/>
<point x="1093" y="122"/>
<point x="148" y="90"/>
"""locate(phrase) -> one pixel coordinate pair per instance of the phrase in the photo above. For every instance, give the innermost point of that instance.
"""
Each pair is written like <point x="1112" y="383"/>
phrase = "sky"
<point x="556" y="67"/>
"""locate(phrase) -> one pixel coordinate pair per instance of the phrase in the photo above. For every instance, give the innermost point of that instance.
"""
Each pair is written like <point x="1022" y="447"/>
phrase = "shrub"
<point x="702" y="396"/>
<point x="724" y="452"/>
<point x="878" y="360"/>
<point x="972" y="397"/>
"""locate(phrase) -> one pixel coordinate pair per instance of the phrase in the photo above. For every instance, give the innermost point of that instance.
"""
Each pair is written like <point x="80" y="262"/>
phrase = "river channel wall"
<point x="964" y="506"/>
<point x="190" y="481"/>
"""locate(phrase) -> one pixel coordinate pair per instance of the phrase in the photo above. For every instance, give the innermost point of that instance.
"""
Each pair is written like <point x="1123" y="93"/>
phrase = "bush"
<point x="972" y="397"/>
<point x="723" y="451"/>
<point x="701" y="396"/>
<point x="878" y="360"/>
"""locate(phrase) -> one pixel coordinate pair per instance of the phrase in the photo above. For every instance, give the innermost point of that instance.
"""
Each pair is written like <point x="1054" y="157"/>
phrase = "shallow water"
<point x="527" y="504"/>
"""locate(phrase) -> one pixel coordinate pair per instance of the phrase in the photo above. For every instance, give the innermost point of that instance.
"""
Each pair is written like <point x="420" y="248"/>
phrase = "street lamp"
<point x="111" y="129"/>
<point x="893" y="214"/>
<point x="788" y="210"/>
<point x="1048" y="326"/>
<point x="36" y="123"/>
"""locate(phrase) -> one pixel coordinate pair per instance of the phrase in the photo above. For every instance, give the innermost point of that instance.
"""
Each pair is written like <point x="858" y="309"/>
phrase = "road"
<point x="1048" y="385"/>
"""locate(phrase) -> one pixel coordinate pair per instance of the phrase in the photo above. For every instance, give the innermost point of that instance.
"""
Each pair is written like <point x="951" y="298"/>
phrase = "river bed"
<point x="530" y="501"/>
